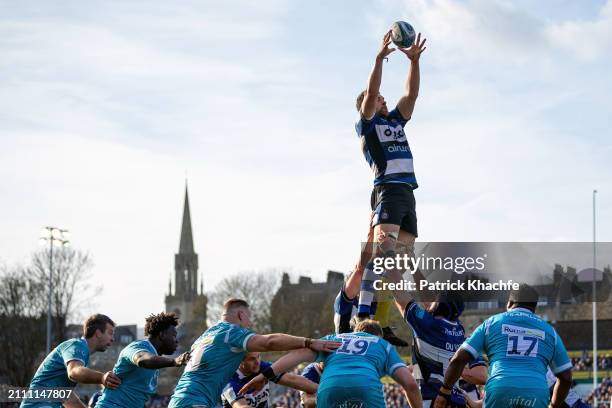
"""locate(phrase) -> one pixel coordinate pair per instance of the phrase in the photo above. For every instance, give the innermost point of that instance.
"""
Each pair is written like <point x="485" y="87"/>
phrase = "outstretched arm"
<point x="281" y="365"/>
<point x="151" y="361"/>
<point x="368" y="107"/>
<point x="404" y="378"/>
<point x="78" y="373"/>
<point x="286" y="342"/>
<point x="299" y="383"/>
<point x="407" y="102"/>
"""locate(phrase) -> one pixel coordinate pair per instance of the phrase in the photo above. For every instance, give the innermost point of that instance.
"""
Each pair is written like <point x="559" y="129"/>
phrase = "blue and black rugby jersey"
<point x="435" y="342"/>
<point x="255" y="398"/>
<point x="386" y="148"/>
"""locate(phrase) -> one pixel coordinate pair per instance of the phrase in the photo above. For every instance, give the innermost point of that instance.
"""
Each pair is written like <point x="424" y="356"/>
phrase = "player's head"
<point x="250" y="364"/>
<point x="237" y="311"/>
<point x="381" y="104"/>
<point x="369" y="326"/>
<point x="525" y="296"/>
<point x="99" y="330"/>
<point x="162" y="328"/>
<point x="449" y="306"/>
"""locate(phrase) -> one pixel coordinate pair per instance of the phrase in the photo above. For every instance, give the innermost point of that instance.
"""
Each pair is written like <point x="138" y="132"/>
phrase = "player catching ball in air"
<point x="385" y="147"/>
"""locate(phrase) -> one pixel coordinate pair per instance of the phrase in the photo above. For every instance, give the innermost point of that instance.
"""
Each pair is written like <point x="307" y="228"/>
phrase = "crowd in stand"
<point x="585" y="362"/>
<point x="604" y="394"/>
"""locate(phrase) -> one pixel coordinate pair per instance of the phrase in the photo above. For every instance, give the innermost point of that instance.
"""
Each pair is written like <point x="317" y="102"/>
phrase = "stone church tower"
<point x="186" y="301"/>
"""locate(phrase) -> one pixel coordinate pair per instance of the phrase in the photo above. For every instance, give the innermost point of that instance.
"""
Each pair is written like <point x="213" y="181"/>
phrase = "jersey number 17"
<point x="522" y="346"/>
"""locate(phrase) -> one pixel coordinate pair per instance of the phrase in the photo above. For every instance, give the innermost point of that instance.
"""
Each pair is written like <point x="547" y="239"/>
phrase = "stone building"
<point x="305" y="308"/>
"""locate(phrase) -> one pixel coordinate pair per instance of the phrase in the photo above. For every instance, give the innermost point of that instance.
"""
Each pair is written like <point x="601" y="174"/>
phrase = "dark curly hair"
<point x="156" y="324"/>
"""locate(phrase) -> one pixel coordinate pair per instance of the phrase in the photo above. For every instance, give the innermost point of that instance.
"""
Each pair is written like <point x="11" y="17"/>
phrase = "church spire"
<point x="186" y="244"/>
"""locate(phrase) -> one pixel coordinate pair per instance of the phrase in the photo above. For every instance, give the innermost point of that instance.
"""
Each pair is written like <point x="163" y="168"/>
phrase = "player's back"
<point x="362" y="360"/>
<point x="215" y="356"/>
<point x="520" y="345"/>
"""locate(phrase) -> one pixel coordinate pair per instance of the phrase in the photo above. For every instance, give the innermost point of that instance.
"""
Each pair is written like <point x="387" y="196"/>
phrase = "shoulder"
<point x="384" y="344"/>
<point x="413" y="308"/>
<point x="139" y="345"/>
<point x="396" y="117"/>
<point x="332" y="337"/>
<point x="70" y="343"/>
<point x="364" y="123"/>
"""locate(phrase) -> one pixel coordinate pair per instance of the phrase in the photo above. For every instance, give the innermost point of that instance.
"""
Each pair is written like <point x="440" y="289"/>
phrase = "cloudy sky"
<point x="106" y="107"/>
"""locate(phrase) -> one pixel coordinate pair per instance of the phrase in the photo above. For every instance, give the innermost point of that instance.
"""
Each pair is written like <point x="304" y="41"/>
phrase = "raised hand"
<point x="182" y="359"/>
<point x="384" y="49"/>
<point x="255" y="384"/>
<point x="415" y="50"/>
<point x="324" y="345"/>
<point x="110" y="380"/>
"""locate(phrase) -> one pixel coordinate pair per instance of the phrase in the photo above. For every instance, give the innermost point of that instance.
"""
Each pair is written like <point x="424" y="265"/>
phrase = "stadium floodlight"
<point x="55" y="236"/>
<point x="594" y="302"/>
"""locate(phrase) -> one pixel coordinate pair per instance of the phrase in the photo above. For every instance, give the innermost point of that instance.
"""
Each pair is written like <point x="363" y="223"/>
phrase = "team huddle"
<point x="516" y="355"/>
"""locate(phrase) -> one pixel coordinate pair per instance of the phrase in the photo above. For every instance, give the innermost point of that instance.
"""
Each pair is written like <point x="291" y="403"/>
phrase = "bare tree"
<point x="24" y="294"/>
<point x="257" y="288"/>
<point x="22" y="337"/>
<point x="71" y="286"/>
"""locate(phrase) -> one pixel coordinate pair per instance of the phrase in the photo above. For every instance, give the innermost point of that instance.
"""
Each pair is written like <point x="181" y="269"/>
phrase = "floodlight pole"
<point x="50" y="299"/>
<point x="594" y="303"/>
<point x="61" y="238"/>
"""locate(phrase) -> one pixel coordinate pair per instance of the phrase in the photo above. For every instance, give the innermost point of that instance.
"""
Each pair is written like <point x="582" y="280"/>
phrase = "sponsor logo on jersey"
<point x="525" y="331"/>
<point x="388" y="133"/>
<point x="396" y="148"/>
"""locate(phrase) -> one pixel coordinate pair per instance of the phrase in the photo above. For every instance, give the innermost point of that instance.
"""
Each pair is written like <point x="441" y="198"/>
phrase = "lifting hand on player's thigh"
<point x="353" y="282"/>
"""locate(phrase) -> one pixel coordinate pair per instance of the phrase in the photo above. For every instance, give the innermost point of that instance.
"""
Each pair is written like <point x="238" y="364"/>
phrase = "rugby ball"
<point x="402" y="34"/>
